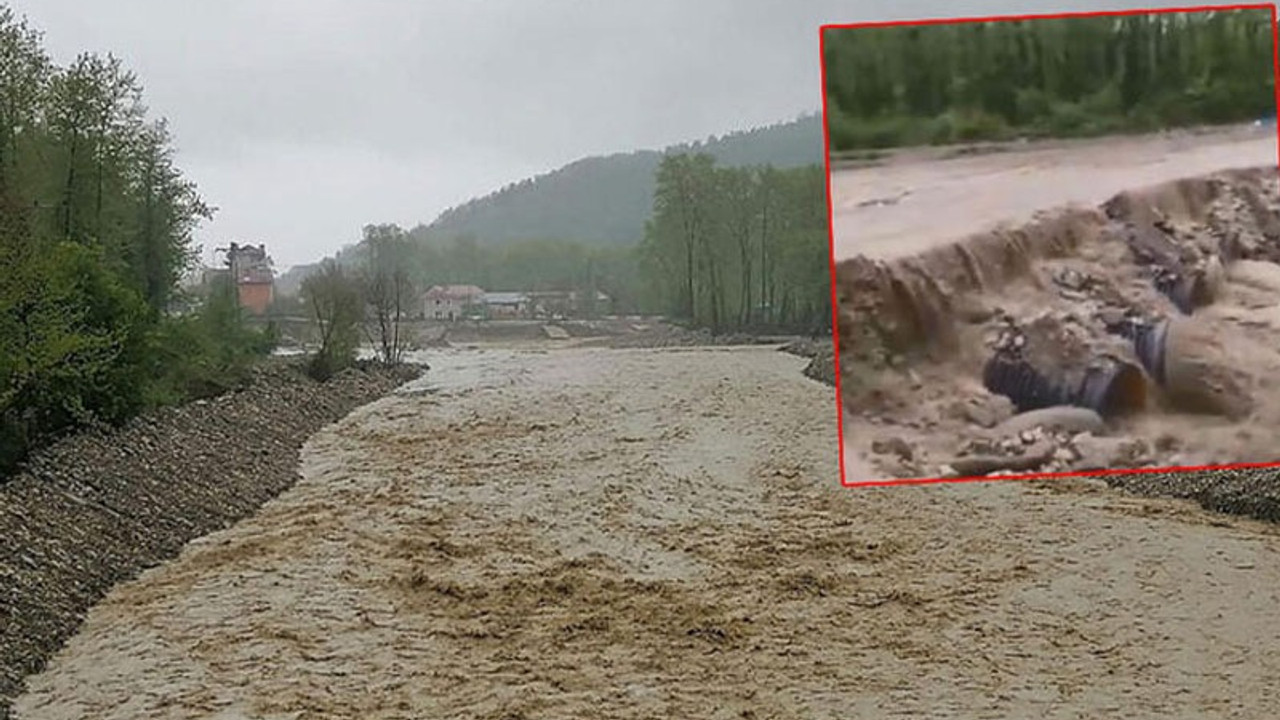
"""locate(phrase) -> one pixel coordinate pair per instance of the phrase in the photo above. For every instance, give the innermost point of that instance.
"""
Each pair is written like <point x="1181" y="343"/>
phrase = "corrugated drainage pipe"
<point x="1107" y="385"/>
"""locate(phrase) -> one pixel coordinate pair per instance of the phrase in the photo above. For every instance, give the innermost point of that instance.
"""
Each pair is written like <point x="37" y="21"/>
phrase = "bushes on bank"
<point x="333" y="297"/>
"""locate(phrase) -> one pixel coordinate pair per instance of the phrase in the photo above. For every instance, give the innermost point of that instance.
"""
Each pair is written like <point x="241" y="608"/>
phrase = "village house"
<point x="250" y="268"/>
<point x="452" y="302"/>
<point x="506" y="304"/>
<point x="565" y="303"/>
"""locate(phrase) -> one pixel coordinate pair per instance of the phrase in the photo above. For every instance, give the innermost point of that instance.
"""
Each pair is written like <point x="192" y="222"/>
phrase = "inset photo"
<point x="1056" y="244"/>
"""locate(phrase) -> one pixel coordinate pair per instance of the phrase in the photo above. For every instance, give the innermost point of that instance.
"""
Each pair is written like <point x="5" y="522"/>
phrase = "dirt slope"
<point x="629" y="534"/>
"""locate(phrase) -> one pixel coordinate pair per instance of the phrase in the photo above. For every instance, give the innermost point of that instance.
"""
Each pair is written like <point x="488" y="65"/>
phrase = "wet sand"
<point x="640" y="534"/>
<point x="940" y="200"/>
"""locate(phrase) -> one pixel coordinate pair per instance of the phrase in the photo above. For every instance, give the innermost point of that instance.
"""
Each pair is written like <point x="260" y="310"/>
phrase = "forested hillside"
<point x="606" y="200"/>
<point x="905" y="85"/>
<point x="579" y="226"/>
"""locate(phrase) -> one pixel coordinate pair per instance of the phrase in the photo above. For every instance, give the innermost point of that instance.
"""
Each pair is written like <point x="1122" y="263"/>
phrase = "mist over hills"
<point x="606" y="200"/>
<point x="599" y="201"/>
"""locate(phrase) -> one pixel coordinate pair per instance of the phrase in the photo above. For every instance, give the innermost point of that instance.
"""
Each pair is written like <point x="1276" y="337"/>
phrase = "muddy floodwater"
<point x="921" y="198"/>
<point x="637" y="534"/>
<point x="1137" y="279"/>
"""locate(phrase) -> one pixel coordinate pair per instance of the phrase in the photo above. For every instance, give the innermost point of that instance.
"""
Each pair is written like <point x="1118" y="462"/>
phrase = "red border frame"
<point x="835" y="306"/>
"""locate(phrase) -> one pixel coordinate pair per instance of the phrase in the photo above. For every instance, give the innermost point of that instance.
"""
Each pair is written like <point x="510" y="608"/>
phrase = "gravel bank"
<point x="99" y="507"/>
<point x="650" y="335"/>
<point x="822" y="358"/>
<point x="1253" y="492"/>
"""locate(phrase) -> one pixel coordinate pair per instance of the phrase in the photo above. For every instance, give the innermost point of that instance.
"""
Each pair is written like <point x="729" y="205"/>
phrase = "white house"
<point x="451" y="302"/>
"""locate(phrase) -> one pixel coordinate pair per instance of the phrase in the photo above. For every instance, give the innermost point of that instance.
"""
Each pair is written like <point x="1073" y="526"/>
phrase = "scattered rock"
<point x="984" y="411"/>
<point x="971" y="309"/>
<point x="1032" y="458"/>
<point x="1071" y="279"/>
<point x="1063" y="418"/>
<point x="893" y="446"/>
<point x="822" y="366"/>
<point x="1106" y="453"/>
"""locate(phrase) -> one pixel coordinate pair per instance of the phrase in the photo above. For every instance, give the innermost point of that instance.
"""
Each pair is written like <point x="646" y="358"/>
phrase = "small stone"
<point x="1070" y="279"/>
<point x="1112" y="316"/>
<point x="1093" y="483"/>
<point x="893" y="446"/>
<point x="1107" y="453"/>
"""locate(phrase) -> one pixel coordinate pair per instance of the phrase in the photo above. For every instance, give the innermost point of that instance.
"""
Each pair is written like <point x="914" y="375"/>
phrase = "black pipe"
<point x="1026" y="387"/>
<point x="1107" y="385"/>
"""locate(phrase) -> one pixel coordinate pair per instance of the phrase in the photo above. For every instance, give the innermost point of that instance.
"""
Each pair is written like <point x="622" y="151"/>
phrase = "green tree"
<point x="336" y="305"/>
<point x="95" y="229"/>
<point x="716" y="231"/>
<point x="890" y="86"/>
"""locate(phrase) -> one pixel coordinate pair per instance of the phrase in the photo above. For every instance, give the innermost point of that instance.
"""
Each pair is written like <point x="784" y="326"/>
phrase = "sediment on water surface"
<point x="1158" y="310"/>
<point x="99" y="507"/>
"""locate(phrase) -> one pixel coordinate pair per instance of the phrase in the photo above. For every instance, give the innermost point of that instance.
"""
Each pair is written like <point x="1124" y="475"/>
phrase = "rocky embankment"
<point x="662" y="335"/>
<point x="822" y="358"/>
<point x="99" y="507"/>
<point x="821" y="352"/>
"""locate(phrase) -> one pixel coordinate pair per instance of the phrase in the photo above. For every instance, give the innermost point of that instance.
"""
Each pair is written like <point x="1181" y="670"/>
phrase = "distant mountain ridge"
<point x="605" y="200"/>
<point x="598" y="201"/>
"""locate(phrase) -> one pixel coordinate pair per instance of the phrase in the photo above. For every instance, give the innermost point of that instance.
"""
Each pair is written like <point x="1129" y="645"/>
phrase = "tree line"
<point x="531" y="265"/>
<point x="726" y="248"/>
<point x="905" y="85"/>
<point x="96" y="225"/>
<point x="535" y="264"/>
<point x="368" y="298"/>
<point x="732" y="248"/>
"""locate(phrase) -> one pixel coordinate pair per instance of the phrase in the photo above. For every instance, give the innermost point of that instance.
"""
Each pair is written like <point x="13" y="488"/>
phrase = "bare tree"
<point x="387" y="288"/>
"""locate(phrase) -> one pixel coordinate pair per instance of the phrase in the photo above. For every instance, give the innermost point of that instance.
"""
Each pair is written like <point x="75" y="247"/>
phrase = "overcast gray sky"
<point x="303" y="120"/>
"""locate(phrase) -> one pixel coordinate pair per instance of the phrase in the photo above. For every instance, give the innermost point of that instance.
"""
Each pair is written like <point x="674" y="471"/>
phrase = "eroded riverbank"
<point x="99" y="507"/>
